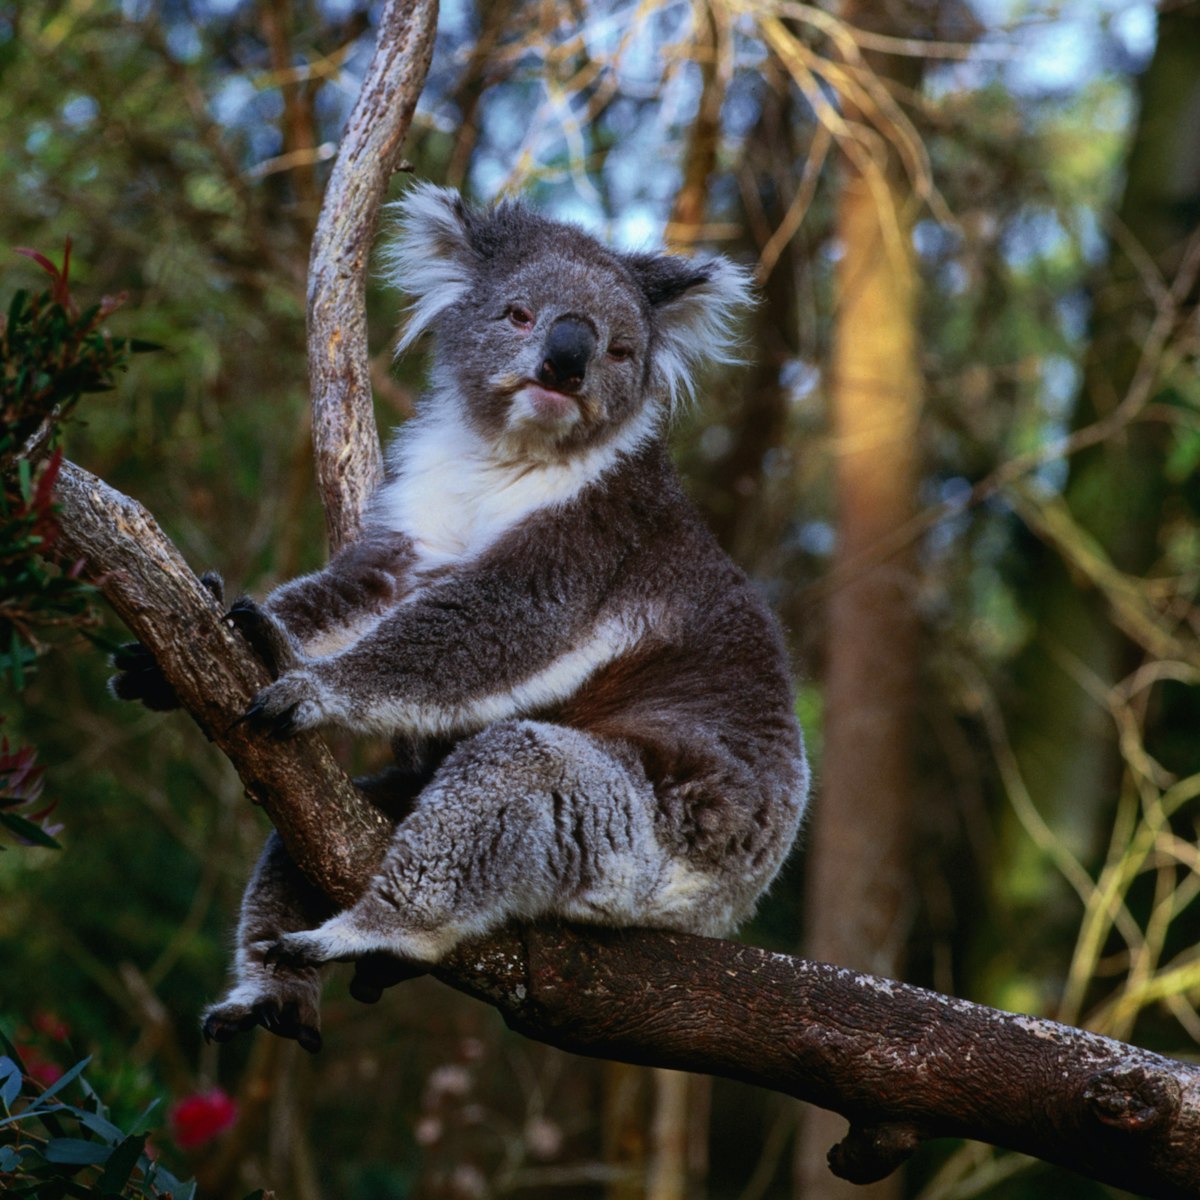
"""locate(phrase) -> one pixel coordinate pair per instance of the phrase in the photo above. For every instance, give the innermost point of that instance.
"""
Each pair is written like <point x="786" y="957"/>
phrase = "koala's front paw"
<point x="268" y="638"/>
<point x="293" y="703"/>
<point x="139" y="679"/>
<point x="285" y="1015"/>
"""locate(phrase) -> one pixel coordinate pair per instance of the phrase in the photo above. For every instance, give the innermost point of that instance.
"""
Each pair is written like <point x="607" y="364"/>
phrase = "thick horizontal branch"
<point x="900" y="1063"/>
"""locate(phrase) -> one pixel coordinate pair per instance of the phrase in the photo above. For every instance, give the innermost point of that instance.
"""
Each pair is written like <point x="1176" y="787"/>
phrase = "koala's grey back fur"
<point x="589" y="703"/>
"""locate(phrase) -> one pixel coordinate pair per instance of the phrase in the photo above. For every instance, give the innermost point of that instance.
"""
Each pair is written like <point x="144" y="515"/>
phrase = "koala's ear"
<point x="693" y="303"/>
<point x="432" y="255"/>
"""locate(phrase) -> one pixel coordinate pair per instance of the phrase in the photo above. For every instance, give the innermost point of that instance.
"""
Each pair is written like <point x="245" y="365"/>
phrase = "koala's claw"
<point x="284" y="708"/>
<point x="279" y="725"/>
<point x="267" y="638"/>
<point x="139" y="678"/>
<point x="225" y="1022"/>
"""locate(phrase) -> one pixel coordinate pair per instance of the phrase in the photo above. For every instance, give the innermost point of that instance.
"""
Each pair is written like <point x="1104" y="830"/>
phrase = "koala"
<point x="589" y="704"/>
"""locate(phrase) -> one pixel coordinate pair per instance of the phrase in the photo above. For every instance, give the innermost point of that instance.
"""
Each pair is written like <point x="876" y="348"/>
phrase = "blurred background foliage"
<point x="961" y="462"/>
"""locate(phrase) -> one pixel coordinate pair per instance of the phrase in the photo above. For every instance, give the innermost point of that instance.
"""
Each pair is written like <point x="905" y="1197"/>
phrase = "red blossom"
<point x="39" y="1068"/>
<point x="199" y="1118"/>
<point x="51" y="1025"/>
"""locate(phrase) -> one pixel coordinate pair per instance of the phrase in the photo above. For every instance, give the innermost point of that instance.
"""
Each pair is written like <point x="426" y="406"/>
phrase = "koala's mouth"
<point x="548" y="406"/>
<point x="534" y="406"/>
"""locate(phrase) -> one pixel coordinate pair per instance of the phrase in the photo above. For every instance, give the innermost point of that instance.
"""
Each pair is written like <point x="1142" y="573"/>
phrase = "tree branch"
<point x="345" y="439"/>
<point x="335" y="837"/>
<point x="900" y="1063"/>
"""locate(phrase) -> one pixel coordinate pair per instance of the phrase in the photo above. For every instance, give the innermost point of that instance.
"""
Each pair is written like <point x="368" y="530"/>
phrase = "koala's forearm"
<point x="441" y="666"/>
<point x="363" y="581"/>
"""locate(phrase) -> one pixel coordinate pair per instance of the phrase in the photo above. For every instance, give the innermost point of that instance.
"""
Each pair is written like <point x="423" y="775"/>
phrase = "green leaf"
<point x="63" y="1080"/>
<point x="121" y="1164"/>
<point x="10" y="1160"/>
<point x="17" y="308"/>
<point x="163" y="1180"/>
<point x="10" y="1082"/>
<point x="144" y="1116"/>
<point x="77" y="1152"/>
<point x="24" y="478"/>
<point x="97" y="1124"/>
<point x="29" y="831"/>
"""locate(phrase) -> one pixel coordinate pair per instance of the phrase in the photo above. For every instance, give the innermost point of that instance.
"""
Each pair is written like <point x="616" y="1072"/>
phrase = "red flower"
<point x="51" y="1025"/>
<point x="199" y="1118"/>
<point x="38" y="1067"/>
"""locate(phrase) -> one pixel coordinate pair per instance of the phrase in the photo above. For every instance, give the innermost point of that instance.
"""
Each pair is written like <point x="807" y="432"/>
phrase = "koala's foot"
<point x="138" y="676"/>
<point x="139" y="679"/>
<point x="374" y="972"/>
<point x="344" y="939"/>
<point x="286" y="1008"/>
<point x="293" y="703"/>
<point x="267" y="637"/>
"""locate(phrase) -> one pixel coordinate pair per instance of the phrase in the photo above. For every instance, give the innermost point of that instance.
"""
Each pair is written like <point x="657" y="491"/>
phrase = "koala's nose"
<point x="566" y="354"/>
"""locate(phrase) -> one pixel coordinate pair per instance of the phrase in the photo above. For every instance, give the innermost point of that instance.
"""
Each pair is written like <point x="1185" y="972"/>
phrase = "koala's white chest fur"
<point x="454" y="496"/>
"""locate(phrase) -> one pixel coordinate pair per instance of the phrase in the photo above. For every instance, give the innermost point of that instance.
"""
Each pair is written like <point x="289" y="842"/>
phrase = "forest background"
<point x="961" y="463"/>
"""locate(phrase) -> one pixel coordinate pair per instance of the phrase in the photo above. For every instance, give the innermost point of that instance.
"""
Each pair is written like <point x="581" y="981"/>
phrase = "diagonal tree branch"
<point x="335" y="837"/>
<point x="900" y="1063"/>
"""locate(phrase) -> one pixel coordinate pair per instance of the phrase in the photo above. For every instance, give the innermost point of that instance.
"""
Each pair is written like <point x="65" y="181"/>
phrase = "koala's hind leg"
<point x="283" y="999"/>
<point x="523" y="820"/>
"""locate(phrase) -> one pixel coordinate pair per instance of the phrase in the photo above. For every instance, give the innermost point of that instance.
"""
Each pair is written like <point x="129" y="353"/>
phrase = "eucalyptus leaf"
<point x="77" y="1152"/>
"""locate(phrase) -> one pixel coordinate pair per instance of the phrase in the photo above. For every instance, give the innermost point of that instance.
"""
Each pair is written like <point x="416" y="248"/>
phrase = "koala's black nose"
<point x="565" y="357"/>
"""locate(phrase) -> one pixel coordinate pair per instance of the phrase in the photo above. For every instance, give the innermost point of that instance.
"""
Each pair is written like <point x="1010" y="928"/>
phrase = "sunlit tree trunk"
<point x="860" y="894"/>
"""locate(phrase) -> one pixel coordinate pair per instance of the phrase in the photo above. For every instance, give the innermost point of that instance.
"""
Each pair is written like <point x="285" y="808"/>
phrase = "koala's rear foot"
<point x="285" y="1005"/>
<point x="138" y="675"/>
<point x="374" y="972"/>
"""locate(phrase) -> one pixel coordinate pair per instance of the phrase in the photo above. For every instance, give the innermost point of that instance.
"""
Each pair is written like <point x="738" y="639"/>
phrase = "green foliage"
<point x="51" y="355"/>
<point x="21" y="788"/>
<point x="50" y="1148"/>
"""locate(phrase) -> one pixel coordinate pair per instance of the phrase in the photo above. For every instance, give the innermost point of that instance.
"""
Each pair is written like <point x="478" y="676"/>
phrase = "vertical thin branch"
<point x="345" y="439"/>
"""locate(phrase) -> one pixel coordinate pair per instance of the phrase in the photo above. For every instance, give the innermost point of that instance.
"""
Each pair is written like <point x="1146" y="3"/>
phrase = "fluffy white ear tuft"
<point x="431" y="255"/>
<point x="695" y="303"/>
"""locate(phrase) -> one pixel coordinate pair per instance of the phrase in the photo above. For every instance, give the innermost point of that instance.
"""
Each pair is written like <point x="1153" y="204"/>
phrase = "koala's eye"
<point x="520" y="317"/>
<point x="619" y="352"/>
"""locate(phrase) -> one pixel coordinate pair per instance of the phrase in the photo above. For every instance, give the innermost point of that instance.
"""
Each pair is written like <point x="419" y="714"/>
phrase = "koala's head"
<point x="554" y="342"/>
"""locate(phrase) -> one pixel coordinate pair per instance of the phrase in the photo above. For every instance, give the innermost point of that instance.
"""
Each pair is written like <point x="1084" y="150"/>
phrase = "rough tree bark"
<point x="345" y="438"/>
<point x="901" y="1064"/>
